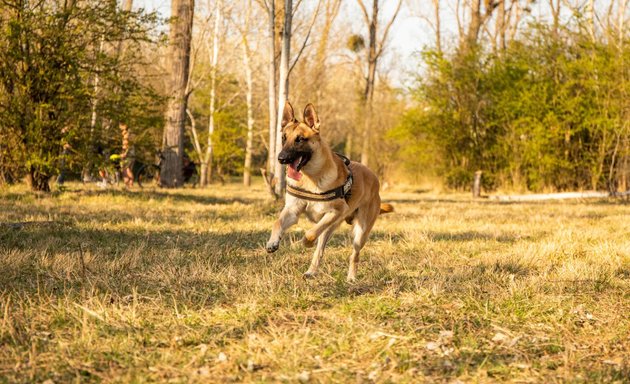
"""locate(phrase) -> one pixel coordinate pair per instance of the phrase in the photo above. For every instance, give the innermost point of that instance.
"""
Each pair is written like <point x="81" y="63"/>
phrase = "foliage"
<point x="228" y="139"/>
<point x="549" y="112"/>
<point x="59" y="66"/>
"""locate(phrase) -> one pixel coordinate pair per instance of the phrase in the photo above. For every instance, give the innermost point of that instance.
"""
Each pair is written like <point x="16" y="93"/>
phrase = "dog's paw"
<point x="310" y="274"/>
<point x="272" y="246"/>
<point x="352" y="275"/>
<point x="309" y="240"/>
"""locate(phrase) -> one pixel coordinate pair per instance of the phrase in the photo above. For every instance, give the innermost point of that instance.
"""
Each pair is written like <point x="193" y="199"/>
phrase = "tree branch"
<point x="381" y="44"/>
<point x="366" y="16"/>
<point x="193" y="130"/>
<point x="308" y="34"/>
<point x="264" y="4"/>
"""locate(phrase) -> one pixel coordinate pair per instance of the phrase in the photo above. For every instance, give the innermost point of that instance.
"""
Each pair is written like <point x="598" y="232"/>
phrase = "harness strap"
<point x="341" y="192"/>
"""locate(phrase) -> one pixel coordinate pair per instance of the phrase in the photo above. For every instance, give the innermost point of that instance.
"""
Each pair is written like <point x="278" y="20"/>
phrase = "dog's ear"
<point x="310" y="117"/>
<point x="288" y="116"/>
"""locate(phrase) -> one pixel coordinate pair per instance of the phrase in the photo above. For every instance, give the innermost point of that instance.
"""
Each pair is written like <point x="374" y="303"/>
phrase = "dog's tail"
<point x="386" y="208"/>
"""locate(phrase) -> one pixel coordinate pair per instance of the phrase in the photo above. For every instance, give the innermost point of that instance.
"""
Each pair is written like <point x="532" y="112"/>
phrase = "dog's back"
<point x="365" y="191"/>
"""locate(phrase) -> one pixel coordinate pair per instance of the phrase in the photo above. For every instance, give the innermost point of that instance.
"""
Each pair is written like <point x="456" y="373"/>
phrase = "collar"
<point x="341" y="192"/>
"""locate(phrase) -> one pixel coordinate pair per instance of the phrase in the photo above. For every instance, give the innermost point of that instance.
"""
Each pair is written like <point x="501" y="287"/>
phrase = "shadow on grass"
<point x="126" y="212"/>
<point x="472" y="236"/>
<point x="343" y="238"/>
<point x="138" y="195"/>
<point x="179" y="197"/>
<point x="58" y="257"/>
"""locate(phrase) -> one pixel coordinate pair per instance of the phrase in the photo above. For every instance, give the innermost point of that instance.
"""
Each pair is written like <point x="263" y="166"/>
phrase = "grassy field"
<point x="175" y="286"/>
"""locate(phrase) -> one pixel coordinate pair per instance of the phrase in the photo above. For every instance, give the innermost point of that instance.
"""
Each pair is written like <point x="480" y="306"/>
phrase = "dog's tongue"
<point x="292" y="171"/>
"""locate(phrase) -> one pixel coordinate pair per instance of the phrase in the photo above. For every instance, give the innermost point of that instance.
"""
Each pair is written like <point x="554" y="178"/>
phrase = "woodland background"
<point x="532" y="93"/>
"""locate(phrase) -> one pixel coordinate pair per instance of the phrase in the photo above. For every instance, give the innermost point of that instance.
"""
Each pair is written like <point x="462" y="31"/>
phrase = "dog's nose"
<point x="283" y="157"/>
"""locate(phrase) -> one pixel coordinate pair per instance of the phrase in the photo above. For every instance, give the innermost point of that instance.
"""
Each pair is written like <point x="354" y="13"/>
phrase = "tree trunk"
<point x="514" y="18"/>
<point x="555" y="12"/>
<point x="203" y="173"/>
<point x="369" y="85"/>
<point x="624" y="169"/>
<point x="126" y="7"/>
<point x="624" y="164"/>
<point x="247" y="172"/>
<point x="283" y="91"/>
<point x="590" y="9"/>
<point x="271" y="159"/>
<point x="477" y="21"/>
<point x="374" y="51"/>
<point x="88" y="167"/>
<point x="179" y="53"/>
<point x="476" y="189"/>
<point x="501" y="27"/>
<point x="214" y="61"/>
<point x="438" y="26"/>
<point x="475" y="24"/>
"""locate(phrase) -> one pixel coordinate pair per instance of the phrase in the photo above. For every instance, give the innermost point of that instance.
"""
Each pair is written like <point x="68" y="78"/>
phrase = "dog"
<point x="327" y="187"/>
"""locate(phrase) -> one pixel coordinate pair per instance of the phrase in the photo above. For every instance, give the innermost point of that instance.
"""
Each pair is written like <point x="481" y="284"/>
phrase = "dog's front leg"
<point x="330" y="218"/>
<point x="288" y="217"/>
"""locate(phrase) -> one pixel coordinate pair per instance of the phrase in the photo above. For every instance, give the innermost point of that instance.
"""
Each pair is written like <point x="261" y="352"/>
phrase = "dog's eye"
<point x="300" y="139"/>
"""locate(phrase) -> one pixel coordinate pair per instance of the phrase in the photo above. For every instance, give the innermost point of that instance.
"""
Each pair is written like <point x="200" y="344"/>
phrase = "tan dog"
<point x="327" y="187"/>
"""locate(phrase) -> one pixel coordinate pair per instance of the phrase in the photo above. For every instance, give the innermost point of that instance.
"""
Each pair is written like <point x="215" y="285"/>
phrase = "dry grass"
<point x="155" y="286"/>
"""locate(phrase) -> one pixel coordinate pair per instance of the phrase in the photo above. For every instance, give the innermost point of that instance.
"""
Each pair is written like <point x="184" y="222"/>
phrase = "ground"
<point x="155" y="286"/>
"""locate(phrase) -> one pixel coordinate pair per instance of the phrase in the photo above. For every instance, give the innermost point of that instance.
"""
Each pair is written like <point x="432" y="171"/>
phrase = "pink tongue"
<point x="292" y="171"/>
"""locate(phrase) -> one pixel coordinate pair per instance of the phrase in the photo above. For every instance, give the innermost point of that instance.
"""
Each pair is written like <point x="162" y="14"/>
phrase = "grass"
<point x="175" y="286"/>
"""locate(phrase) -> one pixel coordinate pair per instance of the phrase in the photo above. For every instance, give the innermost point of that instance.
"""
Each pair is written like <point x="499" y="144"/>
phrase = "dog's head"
<point x="300" y="140"/>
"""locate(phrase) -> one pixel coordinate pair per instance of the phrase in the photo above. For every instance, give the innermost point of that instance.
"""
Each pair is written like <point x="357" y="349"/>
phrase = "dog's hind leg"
<point x="363" y="224"/>
<point x="319" y="251"/>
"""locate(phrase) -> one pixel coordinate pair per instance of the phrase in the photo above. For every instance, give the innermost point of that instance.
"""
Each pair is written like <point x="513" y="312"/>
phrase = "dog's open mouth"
<point x="293" y="171"/>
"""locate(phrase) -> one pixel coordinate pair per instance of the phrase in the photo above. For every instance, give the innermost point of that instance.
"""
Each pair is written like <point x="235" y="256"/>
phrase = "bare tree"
<point x="375" y="49"/>
<point x="438" y="26"/>
<point x="179" y="56"/>
<point x="330" y="13"/>
<point x="624" y="163"/>
<point x="501" y="27"/>
<point x="94" y="113"/>
<point x="206" y="160"/>
<point x="434" y="21"/>
<point x="480" y="13"/>
<point x="247" y="64"/>
<point x="270" y="8"/>
<point x="283" y="90"/>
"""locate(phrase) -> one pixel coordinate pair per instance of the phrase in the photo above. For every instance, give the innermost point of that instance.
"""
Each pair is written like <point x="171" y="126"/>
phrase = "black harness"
<point x="341" y="192"/>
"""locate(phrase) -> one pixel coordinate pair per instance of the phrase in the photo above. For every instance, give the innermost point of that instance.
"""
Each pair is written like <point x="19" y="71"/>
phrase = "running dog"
<point x="327" y="187"/>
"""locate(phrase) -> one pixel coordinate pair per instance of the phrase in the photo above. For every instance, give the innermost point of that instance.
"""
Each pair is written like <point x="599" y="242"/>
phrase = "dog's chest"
<point x="315" y="210"/>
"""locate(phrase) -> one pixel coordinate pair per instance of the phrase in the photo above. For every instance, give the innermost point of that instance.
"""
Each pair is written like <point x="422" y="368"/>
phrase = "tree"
<point x="374" y="51"/>
<point x="247" y="65"/>
<point x="283" y="90"/>
<point x="179" y="57"/>
<point x="270" y="7"/>
<point x="206" y="160"/>
<point x="49" y="51"/>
